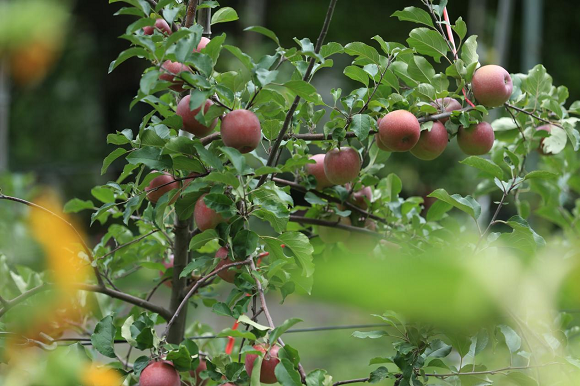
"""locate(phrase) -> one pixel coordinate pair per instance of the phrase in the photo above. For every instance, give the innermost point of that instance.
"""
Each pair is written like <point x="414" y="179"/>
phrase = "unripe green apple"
<point x="333" y="235"/>
<point x="163" y="179"/>
<point x="399" y="130"/>
<point x="241" y="130"/>
<point x="446" y="104"/>
<point x="492" y="85"/>
<point x="431" y="142"/>
<point x="342" y="165"/>
<point x="229" y="274"/>
<point x="161" y="25"/>
<point x="317" y="170"/>
<point x="190" y="124"/>
<point x="476" y="139"/>
<point x="269" y="363"/>
<point x="168" y="69"/>
<point x="540" y="149"/>
<point x="205" y="217"/>
<point x="361" y="242"/>
<point x="160" y="373"/>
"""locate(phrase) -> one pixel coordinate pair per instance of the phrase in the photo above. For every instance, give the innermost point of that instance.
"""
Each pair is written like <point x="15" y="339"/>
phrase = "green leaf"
<point x="523" y="236"/>
<point x="331" y="49"/>
<point x="378" y="375"/>
<point x="286" y="374"/>
<point x="75" y="205"/>
<point x="469" y="51"/>
<point x="264" y="31"/>
<point x="484" y="165"/>
<point x="127" y="54"/>
<point x="537" y="82"/>
<point x="358" y="74"/>
<point x="541" y="174"/>
<point x="362" y="50"/>
<point x="556" y="142"/>
<point x="150" y="156"/>
<point x="420" y="69"/>
<point x="238" y="160"/>
<point x="460" y="28"/>
<point x="224" y="15"/>
<point x="370" y="334"/>
<point x="201" y="239"/>
<point x="466" y="204"/>
<point x="246" y="320"/>
<point x="416" y="15"/>
<point x="256" y="372"/>
<point x="361" y="125"/>
<point x="245" y="243"/>
<point x="438" y="349"/>
<point x="237" y="334"/>
<point x="104" y="336"/>
<point x="512" y="339"/>
<point x="305" y="90"/>
<point x="428" y="42"/>
<point x="278" y="331"/>
<point x="242" y="57"/>
<point x="220" y="203"/>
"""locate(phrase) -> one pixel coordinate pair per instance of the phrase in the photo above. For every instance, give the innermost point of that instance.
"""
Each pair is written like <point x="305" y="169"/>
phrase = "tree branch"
<point x="333" y="224"/>
<point x="91" y="288"/>
<point x="329" y="198"/>
<point x="190" y="14"/>
<point x="196" y="287"/>
<point x="82" y="241"/>
<point x="356" y="380"/>
<point x="274" y="151"/>
<point x="510" y="106"/>
<point x="129" y="243"/>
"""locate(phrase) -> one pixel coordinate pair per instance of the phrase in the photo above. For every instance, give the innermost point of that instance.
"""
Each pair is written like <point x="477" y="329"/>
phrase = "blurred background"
<point x="57" y="105"/>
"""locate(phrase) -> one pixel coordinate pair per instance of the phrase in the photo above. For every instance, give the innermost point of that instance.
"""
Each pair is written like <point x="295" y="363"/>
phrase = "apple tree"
<point x="247" y="177"/>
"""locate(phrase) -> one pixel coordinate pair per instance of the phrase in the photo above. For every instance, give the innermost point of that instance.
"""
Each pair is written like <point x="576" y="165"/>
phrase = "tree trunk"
<point x="180" y="260"/>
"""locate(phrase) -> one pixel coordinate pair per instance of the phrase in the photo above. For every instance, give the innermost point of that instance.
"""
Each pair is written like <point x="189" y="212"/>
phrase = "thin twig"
<point x="196" y="287"/>
<point x="356" y="380"/>
<point x="288" y="119"/>
<point x="128" y="243"/>
<point x="510" y="106"/>
<point x="333" y="224"/>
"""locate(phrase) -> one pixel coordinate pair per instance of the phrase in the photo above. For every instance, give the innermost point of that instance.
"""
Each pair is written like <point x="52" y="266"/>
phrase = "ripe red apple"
<point x="476" y="139"/>
<point x="169" y="70"/>
<point x="165" y="178"/>
<point x="202" y="43"/>
<point x="190" y="124"/>
<point x="205" y="217"/>
<point x="161" y="25"/>
<point x="333" y="235"/>
<point x="342" y="165"/>
<point x="160" y="373"/>
<point x="358" y="197"/>
<point x="241" y="130"/>
<point x="540" y="149"/>
<point x="269" y="363"/>
<point x="167" y="265"/>
<point x="492" y="85"/>
<point x="431" y="142"/>
<point x="229" y="274"/>
<point x="197" y="380"/>
<point x="399" y="130"/>
<point x="317" y="170"/>
<point x="446" y="104"/>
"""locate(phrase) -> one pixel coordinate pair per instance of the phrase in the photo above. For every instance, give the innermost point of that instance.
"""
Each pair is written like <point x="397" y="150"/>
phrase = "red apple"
<point x="198" y="381"/>
<point x="431" y="142"/>
<point x="169" y="70"/>
<point x="540" y="149"/>
<point x="399" y="130"/>
<point x="229" y="274"/>
<point x="446" y="104"/>
<point x="317" y="170"/>
<point x="163" y="179"/>
<point x="202" y="43"/>
<point x="492" y="85"/>
<point x="205" y="217"/>
<point x="241" y="130"/>
<point x="360" y="197"/>
<point x="161" y="25"/>
<point x="476" y="139"/>
<point x="160" y="373"/>
<point x="167" y="265"/>
<point x="190" y="124"/>
<point x="342" y="165"/>
<point x="333" y="235"/>
<point x="269" y="363"/>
